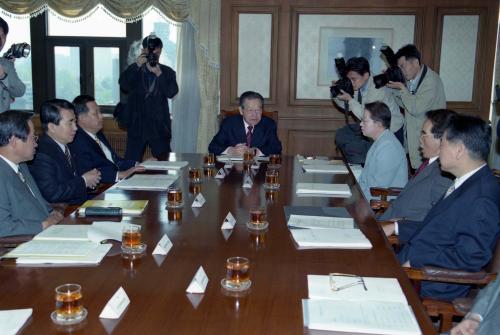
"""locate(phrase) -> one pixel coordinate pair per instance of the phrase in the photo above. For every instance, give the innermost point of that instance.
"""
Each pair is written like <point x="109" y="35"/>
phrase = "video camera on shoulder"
<point x="393" y="72"/>
<point x="344" y="83"/>
<point x="17" y="51"/>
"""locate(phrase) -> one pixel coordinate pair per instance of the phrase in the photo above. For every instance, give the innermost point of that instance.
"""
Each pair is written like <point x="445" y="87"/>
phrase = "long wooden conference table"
<point x="157" y="285"/>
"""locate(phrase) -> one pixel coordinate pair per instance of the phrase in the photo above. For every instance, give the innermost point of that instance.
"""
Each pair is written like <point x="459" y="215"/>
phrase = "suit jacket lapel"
<point x="57" y="149"/>
<point x="33" y="187"/>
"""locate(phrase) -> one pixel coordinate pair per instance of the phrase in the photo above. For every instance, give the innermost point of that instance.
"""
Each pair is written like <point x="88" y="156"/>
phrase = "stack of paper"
<point x="229" y="158"/>
<point x="341" y="190"/>
<point x="151" y="182"/>
<point x="163" y="165"/>
<point x="322" y="161"/>
<point x="326" y="168"/>
<point x="381" y="308"/>
<point x="59" y="252"/>
<point x="11" y="321"/>
<point x="68" y="244"/>
<point x="330" y="238"/>
<point x="319" y="222"/>
<point x="129" y="207"/>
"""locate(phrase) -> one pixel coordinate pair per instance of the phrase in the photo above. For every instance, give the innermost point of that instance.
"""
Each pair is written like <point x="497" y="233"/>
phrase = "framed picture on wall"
<point x="347" y="43"/>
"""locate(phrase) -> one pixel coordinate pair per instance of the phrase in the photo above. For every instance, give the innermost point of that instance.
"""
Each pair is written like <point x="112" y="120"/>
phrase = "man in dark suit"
<point x="23" y="210"/>
<point x="248" y="130"/>
<point x="428" y="185"/>
<point x="461" y="230"/>
<point x="91" y="149"/>
<point x="53" y="167"/>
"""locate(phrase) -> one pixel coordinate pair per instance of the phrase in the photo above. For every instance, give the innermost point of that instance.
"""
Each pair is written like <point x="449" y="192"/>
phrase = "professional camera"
<point x="343" y="83"/>
<point x="17" y="51"/>
<point x="393" y="72"/>
<point x="152" y="43"/>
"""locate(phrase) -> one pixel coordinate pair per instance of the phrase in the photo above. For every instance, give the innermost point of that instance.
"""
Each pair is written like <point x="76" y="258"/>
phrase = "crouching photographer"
<point x="350" y="138"/>
<point x="11" y="86"/>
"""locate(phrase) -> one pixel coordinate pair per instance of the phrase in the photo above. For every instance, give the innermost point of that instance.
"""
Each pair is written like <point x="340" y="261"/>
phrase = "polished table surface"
<point x="156" y="285"/>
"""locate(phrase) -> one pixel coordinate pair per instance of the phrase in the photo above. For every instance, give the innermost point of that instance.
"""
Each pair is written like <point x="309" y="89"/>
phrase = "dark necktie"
<point x="249" y="136"/>
<point x="360" y="98"/>
<point x="68" y="155"/>
<point x="422" y="167"/>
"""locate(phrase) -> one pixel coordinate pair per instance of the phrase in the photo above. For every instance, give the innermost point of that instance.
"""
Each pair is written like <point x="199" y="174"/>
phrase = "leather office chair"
<point x="225" y="113"/>
<point x="444" y="310"/>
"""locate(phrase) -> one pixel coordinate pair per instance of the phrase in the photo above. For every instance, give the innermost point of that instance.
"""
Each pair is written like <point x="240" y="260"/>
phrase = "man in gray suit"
<point x="23" y="210"/>
<point x="484" y="316"/>
<point x="385" y="164"/>
<point x="429" y="184"/>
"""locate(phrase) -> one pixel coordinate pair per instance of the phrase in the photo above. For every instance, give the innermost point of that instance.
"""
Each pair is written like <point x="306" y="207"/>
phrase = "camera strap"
<point x="424" y="72"/>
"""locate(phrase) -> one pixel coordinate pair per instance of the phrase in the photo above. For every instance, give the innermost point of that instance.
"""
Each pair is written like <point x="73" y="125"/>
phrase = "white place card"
<point x="163" y="246"/>
<point x="199" y="282"/>
<point x="247" y="182"/>
<point x="220" y="174"/>
<point x="199" y="200"/>
<point x="229" y="221"/>
<point x="116" y="305"/>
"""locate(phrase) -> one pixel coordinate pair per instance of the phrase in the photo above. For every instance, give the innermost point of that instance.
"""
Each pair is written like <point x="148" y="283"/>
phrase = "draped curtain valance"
<point x="129" y="10"/>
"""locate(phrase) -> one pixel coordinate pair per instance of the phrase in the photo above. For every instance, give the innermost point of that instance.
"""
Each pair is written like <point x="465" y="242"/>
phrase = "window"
<point x="86" y="57"/>
<point x="19" y="32"/>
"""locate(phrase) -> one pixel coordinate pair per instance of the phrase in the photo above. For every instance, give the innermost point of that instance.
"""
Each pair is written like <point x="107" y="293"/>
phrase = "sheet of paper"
<point x="316" y="211"/>
<point x="64" y="232"/>
<point x="377" y="289"/>
<point x="148" y="182"/>
<point x="319" y="222"/>
<point x="229" y="158"/>
<point x="106" y="230"/>
<point x="53" y="248"/>
<point x="331" y="238"/>
<point x="199" y="282"/>
<point x="93" y="258"/>
<point x="341" y="190"/>
<point x="11" y="321"/>
<point x="360" y="317"/>
<point x="163" y="165"/>
<point x="116" y="305"/>
<point x="326" y="168"/>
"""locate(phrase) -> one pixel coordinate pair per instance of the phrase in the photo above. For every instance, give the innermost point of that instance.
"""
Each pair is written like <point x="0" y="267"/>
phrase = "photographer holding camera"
<point x="10" y="84"/>
<point x="149" y="85"/>
<point x="423" y="92"/>
<point x="350" y="138"/>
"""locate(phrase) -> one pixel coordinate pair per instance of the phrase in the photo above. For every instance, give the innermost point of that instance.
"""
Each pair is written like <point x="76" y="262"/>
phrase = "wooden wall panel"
<point x="307" y="126"/>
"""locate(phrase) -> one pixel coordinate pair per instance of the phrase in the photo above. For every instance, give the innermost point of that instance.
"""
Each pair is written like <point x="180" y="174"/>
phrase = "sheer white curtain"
<point x="186" y="105"/>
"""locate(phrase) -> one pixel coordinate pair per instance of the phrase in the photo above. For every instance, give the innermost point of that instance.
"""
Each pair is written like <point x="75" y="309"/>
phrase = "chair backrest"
<point x="225" y="113"/>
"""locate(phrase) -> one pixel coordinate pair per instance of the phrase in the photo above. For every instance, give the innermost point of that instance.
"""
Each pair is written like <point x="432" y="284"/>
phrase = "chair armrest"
<point x="393" y="239"/>
<point x="379" y="204"/>
<point x="431" y="273"/>
<point x="385" y="191"/>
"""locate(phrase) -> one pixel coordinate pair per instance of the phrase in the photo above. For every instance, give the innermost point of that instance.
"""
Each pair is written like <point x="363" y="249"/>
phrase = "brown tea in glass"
<point x="258" y="220"/>
<point x="209" y="160"/>
<point x="274" y="161"/>
<point x="272" y="180"/>
<point x="237" y="274"/>
<point x="69" y="308"/>
<point x="194" y="175"/>
<point x="174" y="197"/>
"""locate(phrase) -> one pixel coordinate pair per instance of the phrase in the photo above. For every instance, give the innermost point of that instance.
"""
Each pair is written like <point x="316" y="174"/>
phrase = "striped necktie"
<point x="249" y="136"/>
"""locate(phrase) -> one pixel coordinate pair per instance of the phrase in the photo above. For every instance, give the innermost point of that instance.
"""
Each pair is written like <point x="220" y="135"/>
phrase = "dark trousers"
<point x="354" y="145"/>
<point x="160" y="148"/>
